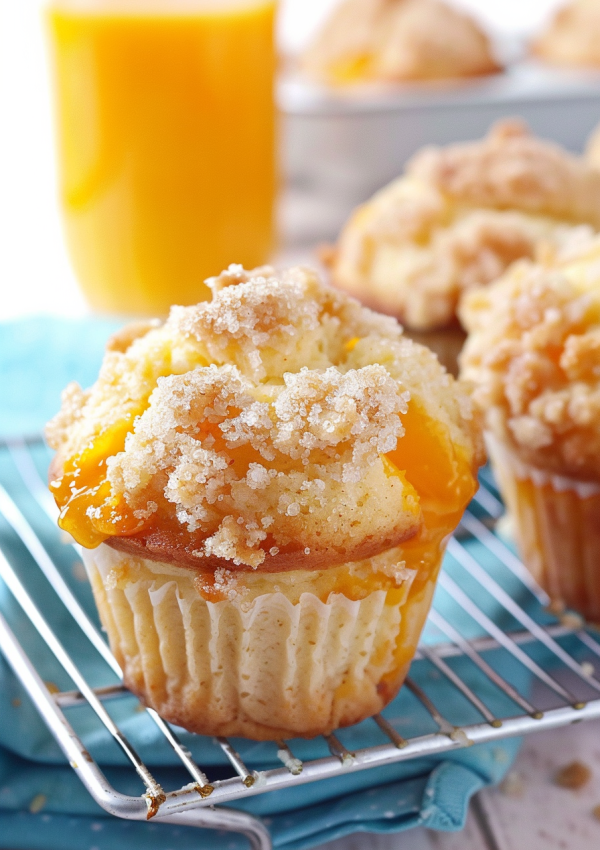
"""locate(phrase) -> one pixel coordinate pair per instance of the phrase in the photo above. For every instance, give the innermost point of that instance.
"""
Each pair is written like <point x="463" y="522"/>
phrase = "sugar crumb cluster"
<point x="534" y="351"/>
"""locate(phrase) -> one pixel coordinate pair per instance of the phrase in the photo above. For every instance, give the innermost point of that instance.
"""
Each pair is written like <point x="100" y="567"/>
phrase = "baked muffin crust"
<point x="457" y="218"/>
<point x="258" y="430"/>
<point x="533" y="354"/>
<point x="398" y="40"/>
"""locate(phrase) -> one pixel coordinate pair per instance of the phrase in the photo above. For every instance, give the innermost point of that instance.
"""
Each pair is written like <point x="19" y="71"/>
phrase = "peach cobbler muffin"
<point x="398" y="40"/>
<point x="533" y="353"/>
<point x="572" y="38"/>
<point x="264" y="485"/>
<point x="457" y="218"/>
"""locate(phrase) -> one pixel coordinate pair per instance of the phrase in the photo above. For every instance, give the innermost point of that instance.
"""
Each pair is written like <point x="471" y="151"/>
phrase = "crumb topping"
<point x="573" y="776"/>
<point x="533" y="353"/>
<point x="355" y="580"/>
<point x="512" y="169"/>
<point x="513" y="785"/>
<point x="458" y="218"/>
<point x="254" y="427"/>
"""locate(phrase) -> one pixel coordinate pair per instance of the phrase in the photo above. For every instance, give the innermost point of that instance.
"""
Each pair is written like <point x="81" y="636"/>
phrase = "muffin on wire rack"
<point x="264" y="485"/>
<point x="455" y="220"/>
<point x="533" y="354"/>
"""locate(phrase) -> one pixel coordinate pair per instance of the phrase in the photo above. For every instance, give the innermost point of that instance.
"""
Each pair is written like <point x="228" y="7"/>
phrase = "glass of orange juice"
<point x="166" y="143"/>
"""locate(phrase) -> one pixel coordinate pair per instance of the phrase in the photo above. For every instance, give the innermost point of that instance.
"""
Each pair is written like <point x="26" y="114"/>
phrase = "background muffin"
<point x="398" y="40"/>
<point x="271" y="475"/>
<point x="457" y="218"/>
<point x="533" y="353"/>
<point x="573" y="36"/>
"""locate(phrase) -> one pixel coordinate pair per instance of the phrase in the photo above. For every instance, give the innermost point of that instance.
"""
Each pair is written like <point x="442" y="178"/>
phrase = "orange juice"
<point x="166" y="144"/>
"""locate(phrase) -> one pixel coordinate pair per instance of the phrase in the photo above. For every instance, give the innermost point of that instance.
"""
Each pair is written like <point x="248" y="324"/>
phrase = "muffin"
<point x="572" y="37"/>
<point x="533" y="354"/>
<point x="264" y="485"/>
<point x="398" y="40"/>
<point x="456" y="219"/>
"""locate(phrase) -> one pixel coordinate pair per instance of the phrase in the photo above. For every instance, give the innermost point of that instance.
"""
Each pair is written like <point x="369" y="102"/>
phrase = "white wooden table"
<point x="528" y="812"/>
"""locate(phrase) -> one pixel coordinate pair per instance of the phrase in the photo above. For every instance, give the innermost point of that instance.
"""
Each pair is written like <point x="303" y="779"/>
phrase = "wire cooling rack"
<point x="490" y="640"/>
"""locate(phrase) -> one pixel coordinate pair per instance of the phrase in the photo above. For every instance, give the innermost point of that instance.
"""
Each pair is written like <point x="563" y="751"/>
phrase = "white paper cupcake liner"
<point x="265" y="669"/>
<point x="557" y="528"/>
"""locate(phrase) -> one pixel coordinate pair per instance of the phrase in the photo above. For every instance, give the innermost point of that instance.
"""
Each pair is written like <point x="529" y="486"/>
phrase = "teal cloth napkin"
<point x="38" y="358"/>
<point x="42" y="804"/>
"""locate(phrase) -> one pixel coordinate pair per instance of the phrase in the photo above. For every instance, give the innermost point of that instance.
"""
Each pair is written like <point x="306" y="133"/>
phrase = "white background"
<point x="35" y="275"/>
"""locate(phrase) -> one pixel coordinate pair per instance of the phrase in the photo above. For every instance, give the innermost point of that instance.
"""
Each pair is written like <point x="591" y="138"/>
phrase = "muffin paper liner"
<point x="557" y="527"/>
<point x="264" y="668"/>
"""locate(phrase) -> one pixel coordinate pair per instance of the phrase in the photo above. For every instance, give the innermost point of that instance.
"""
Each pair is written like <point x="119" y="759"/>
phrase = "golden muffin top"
<point x="572" y="36"/>
<point x="457" y="218"/>
<point x="279" y="425"/>
<point x="533" y="353"/>
<point x="513" y="169"/>
<point x="398" y="40"/>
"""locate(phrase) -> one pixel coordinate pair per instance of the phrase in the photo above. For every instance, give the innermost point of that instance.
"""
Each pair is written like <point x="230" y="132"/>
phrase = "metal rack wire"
<point x="559" y="654"/>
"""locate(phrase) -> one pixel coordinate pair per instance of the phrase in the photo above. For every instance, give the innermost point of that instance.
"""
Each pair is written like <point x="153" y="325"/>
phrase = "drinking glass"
<point x="166" y="144"/>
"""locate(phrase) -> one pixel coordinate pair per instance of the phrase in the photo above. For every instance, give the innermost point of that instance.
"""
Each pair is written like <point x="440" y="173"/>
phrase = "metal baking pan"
<point x="340" y="147"/>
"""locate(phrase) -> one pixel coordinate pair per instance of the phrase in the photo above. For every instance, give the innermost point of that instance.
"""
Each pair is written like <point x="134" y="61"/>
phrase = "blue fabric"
<point x="38" y="357"/>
